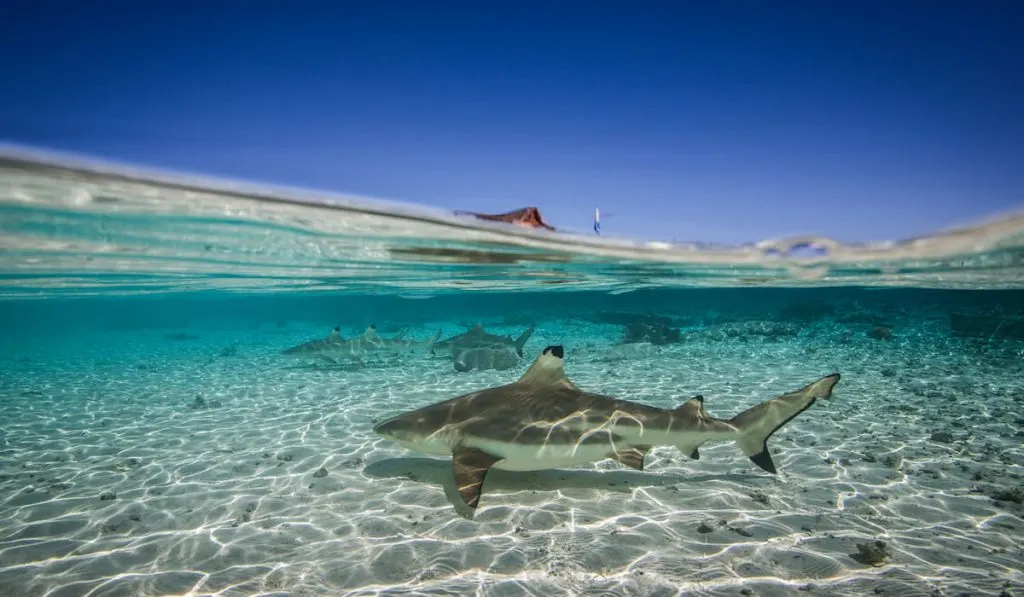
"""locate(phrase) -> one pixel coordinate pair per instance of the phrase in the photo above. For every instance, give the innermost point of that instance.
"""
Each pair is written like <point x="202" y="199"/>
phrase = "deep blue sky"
<point x="730" y="120"/>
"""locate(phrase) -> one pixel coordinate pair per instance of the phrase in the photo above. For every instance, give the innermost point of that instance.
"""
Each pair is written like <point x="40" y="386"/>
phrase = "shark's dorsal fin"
<point x="548" y="369"/>
<point x="371" y="333"/>
<point x="476" y="330"/>
<point x="400" y="335"/>
<point x="694" y="407"/>
<point x="335" y="334"/>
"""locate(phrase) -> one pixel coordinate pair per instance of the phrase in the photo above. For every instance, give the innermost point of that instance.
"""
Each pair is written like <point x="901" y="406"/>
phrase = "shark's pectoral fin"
<point x="470" y="466"/>
<point x="327" y="358"/>
<point x="632" y="457"/>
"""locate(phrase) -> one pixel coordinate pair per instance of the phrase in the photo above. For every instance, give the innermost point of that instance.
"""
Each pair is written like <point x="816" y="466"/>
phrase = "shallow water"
<point x="155" y="441"/>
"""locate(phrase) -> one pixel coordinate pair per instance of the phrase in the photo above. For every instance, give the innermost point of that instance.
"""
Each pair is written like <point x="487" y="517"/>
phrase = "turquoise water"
<point x="157" y="441"/>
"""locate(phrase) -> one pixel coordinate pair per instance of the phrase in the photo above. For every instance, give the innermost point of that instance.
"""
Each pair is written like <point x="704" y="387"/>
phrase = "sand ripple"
<point x="112" y="484"/>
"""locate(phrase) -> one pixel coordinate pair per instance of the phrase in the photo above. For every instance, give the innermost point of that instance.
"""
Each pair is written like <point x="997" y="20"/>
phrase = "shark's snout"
<point x="395" y="428"/>
<point x="383" y="428"/>
<point x="415" y="432"/>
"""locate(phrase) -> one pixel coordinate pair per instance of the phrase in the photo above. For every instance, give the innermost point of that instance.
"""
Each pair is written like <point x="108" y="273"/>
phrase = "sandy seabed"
<point x="114" y="481"/>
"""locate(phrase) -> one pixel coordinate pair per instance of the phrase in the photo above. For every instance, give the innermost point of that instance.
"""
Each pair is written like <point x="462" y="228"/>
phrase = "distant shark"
<point x="317" y="348"/>
<point x="545" y="421"/>
<point x="402" y="344"/>
<point x="499" y="357"/>
<point x="476" y="337"/>
<point x="334" y="347"/>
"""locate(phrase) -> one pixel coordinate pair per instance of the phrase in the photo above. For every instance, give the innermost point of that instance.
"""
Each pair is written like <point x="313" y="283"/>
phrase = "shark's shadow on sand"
<point x="438" y="472"/>
<point x="329" y="367"/>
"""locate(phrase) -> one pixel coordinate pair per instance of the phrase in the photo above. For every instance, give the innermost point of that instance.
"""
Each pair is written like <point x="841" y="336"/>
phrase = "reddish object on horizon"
<point x="528" y="217"/>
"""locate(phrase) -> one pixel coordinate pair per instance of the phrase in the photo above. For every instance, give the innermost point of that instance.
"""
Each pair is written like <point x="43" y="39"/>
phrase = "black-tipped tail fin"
<point x="521" y="340"/>
<point x="757" y="424"/>
<point x="432" y="342"/>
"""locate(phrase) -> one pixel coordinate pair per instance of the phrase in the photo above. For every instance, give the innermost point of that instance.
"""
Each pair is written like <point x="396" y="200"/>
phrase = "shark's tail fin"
<point x="521" y="340"/>
<point x="757" y="424"/>
<point x="433" y="345"/>
<point x="433" y="340"/>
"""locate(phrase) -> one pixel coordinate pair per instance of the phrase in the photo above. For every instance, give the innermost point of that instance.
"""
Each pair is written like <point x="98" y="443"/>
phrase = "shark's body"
<point x="498" y="357"/>
<point x="316" y="348"/>
<point x="544" y="421"/>
<point x="476" y="337"/>
<point x="334" y="348"/>
<point x="402" y="344"/>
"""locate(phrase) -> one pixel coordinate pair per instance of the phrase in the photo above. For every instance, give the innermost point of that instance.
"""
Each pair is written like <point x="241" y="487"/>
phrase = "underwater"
<point x="215" y="388"/>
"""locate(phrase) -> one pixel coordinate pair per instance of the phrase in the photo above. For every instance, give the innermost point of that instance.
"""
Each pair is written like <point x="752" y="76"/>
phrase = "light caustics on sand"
<point x="83" y="227"/>
<point x="113" y="481"/>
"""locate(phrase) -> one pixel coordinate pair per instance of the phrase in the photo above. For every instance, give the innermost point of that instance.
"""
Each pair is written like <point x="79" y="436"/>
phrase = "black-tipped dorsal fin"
<point x="371" y="332"/>
<point x="335" y="333"/>
<point x="694" y="407"/>
<point x="548" y="369"/>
